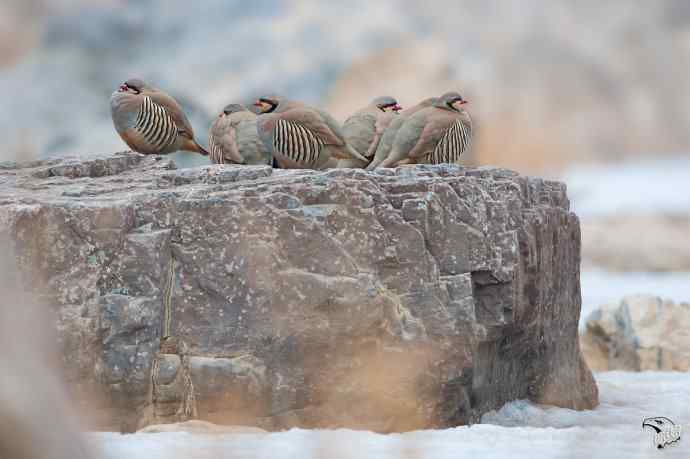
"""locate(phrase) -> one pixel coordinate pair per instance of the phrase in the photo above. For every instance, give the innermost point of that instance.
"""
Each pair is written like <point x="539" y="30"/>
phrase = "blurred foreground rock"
<point x="398" y="299"/>
<point x="641" y="333"/>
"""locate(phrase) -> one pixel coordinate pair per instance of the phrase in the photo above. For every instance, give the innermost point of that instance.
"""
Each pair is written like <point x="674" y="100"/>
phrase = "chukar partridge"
<point x="363" y="130"/>
<point x="437" y="134"/>
<point x="150" y="121"/>
<point x="300" y="136"/>
<point x="233" y="138"/>
<point x="386" y="143"/>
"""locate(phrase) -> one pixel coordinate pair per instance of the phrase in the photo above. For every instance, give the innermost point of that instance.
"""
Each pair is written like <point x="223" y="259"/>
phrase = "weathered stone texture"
<point x="638" y="333"/>
<point x="395" y="299"/>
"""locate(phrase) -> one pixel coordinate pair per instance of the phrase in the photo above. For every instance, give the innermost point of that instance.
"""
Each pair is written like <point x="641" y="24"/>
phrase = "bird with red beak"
<point x="364" y="129"/>
<point x="301" y="136"/>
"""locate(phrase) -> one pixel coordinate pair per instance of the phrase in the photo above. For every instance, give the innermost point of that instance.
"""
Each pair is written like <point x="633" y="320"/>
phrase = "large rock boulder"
<point x="397" y="299"/>
<point x="639" y="333"/>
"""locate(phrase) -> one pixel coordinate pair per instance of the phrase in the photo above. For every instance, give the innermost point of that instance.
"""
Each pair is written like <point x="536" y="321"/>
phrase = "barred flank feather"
<point x="454" y="143"/>
<point x="296" y="142"/>
<point x="155" y="125"/>
<point x="215" y="152"/>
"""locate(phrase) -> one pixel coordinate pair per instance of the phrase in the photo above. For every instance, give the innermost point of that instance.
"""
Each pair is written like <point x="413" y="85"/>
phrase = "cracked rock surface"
<point x="390" y="300"/>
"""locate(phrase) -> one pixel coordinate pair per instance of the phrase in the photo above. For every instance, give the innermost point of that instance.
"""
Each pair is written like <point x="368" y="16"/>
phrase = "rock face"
<point x="397" y="299"/>
<point x="640" y="333"/>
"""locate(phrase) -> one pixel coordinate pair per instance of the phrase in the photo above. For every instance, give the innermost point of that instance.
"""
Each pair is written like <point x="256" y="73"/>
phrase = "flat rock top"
<point x="128" y="175"/>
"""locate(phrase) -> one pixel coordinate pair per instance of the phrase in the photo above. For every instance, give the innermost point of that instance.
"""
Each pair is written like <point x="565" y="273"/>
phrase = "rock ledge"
<point x="390" y="300"/>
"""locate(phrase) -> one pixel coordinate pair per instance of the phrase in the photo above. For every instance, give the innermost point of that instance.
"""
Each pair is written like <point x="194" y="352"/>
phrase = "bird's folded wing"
<point x="173" y="109"/>
<point x="430" y="136"/>
<point x="230" y="149"/>
<point x="313" y="122"/>
<point x="408" y="136"/>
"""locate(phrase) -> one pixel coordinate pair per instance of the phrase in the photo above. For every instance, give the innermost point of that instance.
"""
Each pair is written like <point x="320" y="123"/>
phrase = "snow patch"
<point x="518" y="430"/>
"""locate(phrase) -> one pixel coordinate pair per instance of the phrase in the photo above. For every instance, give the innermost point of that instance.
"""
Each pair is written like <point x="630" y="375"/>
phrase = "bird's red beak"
<point x="123" y="88"/>
<point x="463" y="102"/>
<point x="397" y="108"/>
<point x="258" y="103"/>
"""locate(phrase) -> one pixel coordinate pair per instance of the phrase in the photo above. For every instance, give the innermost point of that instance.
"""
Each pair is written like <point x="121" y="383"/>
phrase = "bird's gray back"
<point x="410" y="131"/>
<point x="389" y="134"/>
<point x="332" y="124"/>
<point x="252" y="148"/>
<point x="359" y="131"/>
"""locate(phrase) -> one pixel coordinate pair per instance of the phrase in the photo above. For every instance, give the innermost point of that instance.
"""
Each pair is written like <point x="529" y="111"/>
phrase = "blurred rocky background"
<point x="551" y="83"/>
<point x="591" y="92"/>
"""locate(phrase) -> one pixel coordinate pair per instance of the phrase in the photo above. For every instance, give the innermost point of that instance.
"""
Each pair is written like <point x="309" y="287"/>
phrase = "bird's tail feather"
<point x="355" y="154"/>
<point x="192" y="145"/>
<point x="373" y="164"/>
<point x="199" y="149"/>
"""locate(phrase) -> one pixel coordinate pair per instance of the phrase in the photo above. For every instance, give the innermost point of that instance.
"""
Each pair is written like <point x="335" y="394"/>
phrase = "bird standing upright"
<point x="300" y="136"/>
<point x="388" y="137"/>
<point x="150" y="121"/>
<point x="233" y="138"/>
<point x="363" y="130"/>
<point x="435" y="135"/>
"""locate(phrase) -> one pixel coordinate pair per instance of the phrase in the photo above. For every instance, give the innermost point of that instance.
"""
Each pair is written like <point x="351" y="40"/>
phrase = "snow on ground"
<point x="602" y="287"/>
<point x="657" y="187"/>
<point x="518" y="430"/>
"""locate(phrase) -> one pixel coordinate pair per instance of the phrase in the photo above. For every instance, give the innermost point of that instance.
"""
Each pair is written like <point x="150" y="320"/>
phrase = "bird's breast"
<point x="124" y="110"/>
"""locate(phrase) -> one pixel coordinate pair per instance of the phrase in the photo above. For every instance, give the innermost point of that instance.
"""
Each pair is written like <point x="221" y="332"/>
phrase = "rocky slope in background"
<point x="640" y="333"/>
<point x="637" y="243"/>
<point x="536" y="82"/>
<point x="405" y="298"/>
<point x="624" y="229"/>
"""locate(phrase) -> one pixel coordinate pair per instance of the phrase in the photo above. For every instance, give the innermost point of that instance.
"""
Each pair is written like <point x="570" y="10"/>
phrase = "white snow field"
<point x="652" y="187"/>
<point x="518" y="430"/>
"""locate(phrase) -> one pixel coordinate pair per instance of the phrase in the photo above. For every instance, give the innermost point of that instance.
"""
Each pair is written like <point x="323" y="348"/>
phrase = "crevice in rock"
<point x="493" y="299"/>
<point x="172" y="396"/>
<point x="168" y="293"/>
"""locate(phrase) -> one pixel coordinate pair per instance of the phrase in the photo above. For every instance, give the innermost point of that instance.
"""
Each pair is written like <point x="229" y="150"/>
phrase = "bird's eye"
<point x="658" y="422"/>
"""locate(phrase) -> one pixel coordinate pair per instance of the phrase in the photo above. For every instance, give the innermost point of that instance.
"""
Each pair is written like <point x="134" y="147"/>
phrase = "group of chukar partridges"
<point x="292" y="135"/>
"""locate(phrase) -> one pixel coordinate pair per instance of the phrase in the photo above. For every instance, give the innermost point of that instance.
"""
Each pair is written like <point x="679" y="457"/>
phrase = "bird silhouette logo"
<point x="666" y="431"/>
